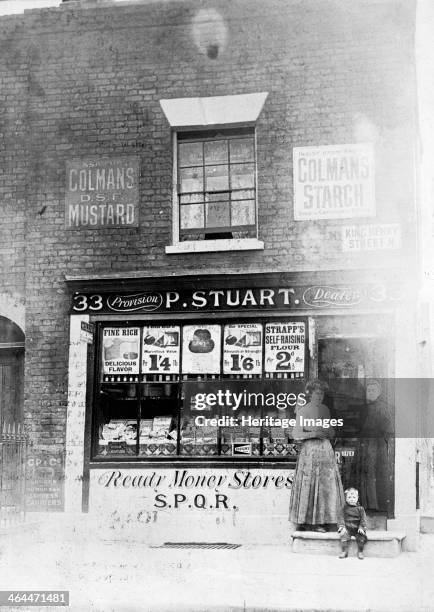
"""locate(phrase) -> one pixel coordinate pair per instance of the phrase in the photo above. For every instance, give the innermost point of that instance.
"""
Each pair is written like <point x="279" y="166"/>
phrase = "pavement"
<point x="107" y="576"/>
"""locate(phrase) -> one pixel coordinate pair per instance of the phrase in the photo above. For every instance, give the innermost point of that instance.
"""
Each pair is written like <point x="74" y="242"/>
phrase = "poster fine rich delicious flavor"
<point x="121" y="349"/>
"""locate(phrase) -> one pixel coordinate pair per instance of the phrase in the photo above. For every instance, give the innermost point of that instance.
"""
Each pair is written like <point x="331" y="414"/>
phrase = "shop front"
<point x="183" y="394"/>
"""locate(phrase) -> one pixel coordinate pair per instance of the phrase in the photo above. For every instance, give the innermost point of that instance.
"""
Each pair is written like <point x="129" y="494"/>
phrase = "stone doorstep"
<point x="380" y="543"/>
<point x="376" y="521"/>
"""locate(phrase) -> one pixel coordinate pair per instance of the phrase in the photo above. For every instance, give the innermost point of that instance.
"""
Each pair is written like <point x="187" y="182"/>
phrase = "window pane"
<point x="191" y="198"/>
<point x="243" y="194"/>
<point x="190" y="154"/>
<point x="242" y="176"/>
<point x="217" y="197"/>
<point x="117" y="419"/>
<point x="217" y="184"/>
<point x="243" y="212"/>
<point x="242" y="150"/>
<point x="191" y="179"/>
<point x="217" y="214"/>
<point x="191" y="216"/>
<point x="216" y="178"/>
<point x="216" y="152"/>
<point x="158" y="419"/>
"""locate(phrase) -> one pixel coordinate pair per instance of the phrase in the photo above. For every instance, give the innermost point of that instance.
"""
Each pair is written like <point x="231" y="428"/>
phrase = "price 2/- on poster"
<point x="285" y="347"/>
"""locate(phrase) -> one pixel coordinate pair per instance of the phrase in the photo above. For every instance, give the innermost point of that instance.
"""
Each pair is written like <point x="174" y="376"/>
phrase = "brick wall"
<point x="83" y="80"/>
<point x="13" y="101"/>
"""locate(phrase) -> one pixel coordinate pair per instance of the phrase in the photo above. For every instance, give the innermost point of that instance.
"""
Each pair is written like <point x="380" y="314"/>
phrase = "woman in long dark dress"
<point x="317" y="495"/>
<point x="371" y="461"/>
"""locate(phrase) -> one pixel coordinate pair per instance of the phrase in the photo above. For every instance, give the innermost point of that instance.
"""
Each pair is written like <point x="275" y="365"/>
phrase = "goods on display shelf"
<point x="278" y="434"/>
<point x="157" y="437"/>
<point x="280" y="449"/>
<point x="202" y="441"/>
<point x="161" y="426"/>
<point x="240" y="449"/>
<point x="237" y="434"/>
<point x="193" y="434"/>
<point x="145" y="429"/>
<point x="156" y="429"/>
<point x="199" y="448"/>
<point x="157" y="448"/>
<point x="119" y="430"/>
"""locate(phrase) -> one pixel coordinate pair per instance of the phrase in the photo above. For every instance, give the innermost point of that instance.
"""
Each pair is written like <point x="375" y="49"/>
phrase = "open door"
<point x="11" y="373"/>
<point x="356" y="369"/>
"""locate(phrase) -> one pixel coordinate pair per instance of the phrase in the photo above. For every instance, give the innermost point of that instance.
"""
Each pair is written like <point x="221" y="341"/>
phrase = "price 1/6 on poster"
<point x="242" y="348"/>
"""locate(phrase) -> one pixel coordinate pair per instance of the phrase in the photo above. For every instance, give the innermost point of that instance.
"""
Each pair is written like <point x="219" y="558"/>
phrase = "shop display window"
<point x="137" y="419"/>
<point x="118" y="419"/>
<point x="198" y="389"/>
<point x="158" y="419"/>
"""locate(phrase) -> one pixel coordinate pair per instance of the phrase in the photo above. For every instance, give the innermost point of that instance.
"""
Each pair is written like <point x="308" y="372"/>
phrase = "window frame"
<point x="212" y="135"/>
<point x="211" y="113"/>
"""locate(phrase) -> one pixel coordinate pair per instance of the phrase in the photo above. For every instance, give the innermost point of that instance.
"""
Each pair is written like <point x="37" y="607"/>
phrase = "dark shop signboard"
<point x="226" y="300"/>
<point x="102" y="192"/>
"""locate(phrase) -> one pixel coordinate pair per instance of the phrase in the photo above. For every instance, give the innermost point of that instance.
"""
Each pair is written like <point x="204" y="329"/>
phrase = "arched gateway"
<point x="11" y="372"/>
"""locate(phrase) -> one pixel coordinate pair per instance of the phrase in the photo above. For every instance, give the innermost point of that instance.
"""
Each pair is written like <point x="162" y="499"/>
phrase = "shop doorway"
<point x="350" y="366"/>
<point x="12" y="439"/>
<point x="11" y="373"/>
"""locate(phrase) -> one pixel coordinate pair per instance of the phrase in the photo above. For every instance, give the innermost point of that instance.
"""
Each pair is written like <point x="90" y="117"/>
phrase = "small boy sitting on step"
<point x="354" y="524"/>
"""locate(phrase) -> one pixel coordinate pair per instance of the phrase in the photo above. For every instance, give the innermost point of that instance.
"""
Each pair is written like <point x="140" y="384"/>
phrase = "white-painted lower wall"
<point x="170" y="505"/>
<point x="76" y="415"/>
<point x="407" y="518"/>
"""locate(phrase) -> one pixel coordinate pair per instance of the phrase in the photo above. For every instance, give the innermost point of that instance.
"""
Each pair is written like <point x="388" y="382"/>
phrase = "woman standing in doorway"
<point x="371" y="461"/>
<point x="317" y="495"/>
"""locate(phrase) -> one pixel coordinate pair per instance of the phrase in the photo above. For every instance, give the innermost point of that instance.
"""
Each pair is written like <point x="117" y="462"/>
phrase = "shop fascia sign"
<point x="239" y="300"/>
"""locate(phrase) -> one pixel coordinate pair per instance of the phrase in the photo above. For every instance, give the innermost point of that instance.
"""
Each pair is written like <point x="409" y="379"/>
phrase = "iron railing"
<point x="13" y="457"/>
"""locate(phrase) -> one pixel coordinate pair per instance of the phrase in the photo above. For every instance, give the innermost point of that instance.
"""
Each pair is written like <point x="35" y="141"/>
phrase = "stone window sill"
<point x="213" y="246"/>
